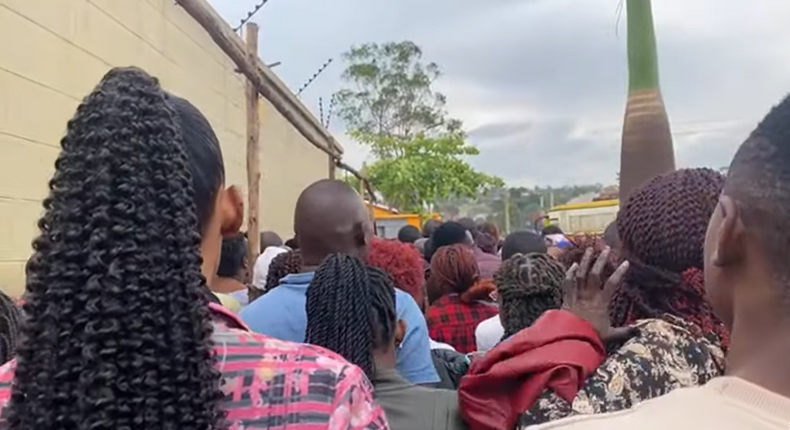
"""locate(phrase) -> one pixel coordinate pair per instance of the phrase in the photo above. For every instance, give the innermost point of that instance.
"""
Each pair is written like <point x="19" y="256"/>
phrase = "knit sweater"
<point x="724" y="403"/>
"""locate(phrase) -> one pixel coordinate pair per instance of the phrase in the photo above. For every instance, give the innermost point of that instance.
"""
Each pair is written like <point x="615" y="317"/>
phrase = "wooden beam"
<point x="332" y="167"/>
<point x="267" y="84"/>
<point x="253" y="155"/>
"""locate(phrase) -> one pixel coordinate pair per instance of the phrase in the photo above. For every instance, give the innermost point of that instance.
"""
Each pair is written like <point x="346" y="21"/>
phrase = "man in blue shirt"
<point x="330" y="218"/>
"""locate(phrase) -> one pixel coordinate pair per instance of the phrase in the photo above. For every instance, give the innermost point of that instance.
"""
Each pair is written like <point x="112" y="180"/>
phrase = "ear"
<point x="400" y="332"/>
<point x="231" y="211"/>
<point x="730" y="237"/>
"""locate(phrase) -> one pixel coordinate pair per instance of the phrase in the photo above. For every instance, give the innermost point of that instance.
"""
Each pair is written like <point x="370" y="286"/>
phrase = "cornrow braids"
<point x="351" y="310"/>
<point x="117" y="333"/>
<point x="528" y="285"/>
<point x="662" y="229"/>
<point x="10" y="317"/>
<point x="281" y="266"/>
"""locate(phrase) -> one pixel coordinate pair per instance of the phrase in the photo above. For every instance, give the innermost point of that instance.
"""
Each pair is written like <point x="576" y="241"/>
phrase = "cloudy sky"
<point x="541" y="83"/>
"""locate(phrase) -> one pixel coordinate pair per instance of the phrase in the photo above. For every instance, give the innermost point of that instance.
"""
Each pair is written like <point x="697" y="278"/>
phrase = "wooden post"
<point x="253" y="153"/>
<point x="332" y="166"/>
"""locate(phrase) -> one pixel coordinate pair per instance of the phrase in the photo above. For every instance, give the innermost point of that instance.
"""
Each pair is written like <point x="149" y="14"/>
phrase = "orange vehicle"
<point x="389" y="221"/>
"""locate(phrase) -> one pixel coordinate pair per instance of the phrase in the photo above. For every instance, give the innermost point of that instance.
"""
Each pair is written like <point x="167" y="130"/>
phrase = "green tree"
<point x="428" y="170"/>
<point x="389" y="106"/>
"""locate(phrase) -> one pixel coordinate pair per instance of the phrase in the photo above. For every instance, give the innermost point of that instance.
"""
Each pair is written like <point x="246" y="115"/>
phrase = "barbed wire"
<point x="250" y="14"/>
<point x="331" y="110"/>
<point x="315" y="75"/>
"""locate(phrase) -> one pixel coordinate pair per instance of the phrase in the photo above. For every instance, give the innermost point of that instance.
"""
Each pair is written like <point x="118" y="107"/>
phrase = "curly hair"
<point x="528" y="285"/>
<point x="10" y="317"/>
<point x="281" y="266"/>
<point x="118" y="330"/>
<point x="351" y="310"/>
<point x="662" y="230"/>
<point x="402" y="262"/>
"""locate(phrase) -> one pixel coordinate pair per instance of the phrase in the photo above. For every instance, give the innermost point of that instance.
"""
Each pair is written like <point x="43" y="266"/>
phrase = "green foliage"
<point x="390" y="107"/>
<point x="428" y="169"/>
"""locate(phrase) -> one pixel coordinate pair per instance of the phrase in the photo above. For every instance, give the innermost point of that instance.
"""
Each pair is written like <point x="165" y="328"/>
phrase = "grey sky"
<point x="541" y="84"/>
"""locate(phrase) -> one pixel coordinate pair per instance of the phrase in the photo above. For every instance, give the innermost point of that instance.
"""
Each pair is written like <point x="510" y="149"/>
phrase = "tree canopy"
<point x="389" y="105"/>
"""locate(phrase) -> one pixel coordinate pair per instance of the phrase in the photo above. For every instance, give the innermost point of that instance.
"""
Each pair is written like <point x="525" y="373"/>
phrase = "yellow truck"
<point x="587" y="217"/>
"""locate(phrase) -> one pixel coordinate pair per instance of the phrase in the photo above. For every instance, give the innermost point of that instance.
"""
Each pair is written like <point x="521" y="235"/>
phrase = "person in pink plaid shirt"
<point x="119" y="330"/>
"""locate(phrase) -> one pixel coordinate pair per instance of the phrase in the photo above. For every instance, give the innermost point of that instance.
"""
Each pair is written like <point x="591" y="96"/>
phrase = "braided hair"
<point x="528" y="285"/>
<point x="662" y="229"/>
<point x="281" y="266"/>
<point x="351" y="310"/>
<point x="10" y="317"/>
<point x="117" y="333"/>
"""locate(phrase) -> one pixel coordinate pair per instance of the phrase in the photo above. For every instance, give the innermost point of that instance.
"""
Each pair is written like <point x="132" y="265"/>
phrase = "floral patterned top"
<point x="667" y="353"/>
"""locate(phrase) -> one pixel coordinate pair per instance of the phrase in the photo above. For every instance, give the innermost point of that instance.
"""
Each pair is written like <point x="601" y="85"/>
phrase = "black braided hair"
<point x="117" y="333"/>
<point x="528" y="285"/>
<point x="351" y="310"/>
<point x="10" y="317"/>
<point x="281" y="266"/>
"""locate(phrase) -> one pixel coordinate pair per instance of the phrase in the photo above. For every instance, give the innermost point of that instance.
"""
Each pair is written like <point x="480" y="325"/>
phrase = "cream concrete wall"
<point x="55" y="51"/>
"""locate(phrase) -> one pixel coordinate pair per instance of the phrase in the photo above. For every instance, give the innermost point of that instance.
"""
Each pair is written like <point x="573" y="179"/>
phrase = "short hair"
<point x="449" y="233"/>
<point x="551" y="229"/>
<point x="269" y="238"/>
<point x="430" y="226"/>
<point x="402" y="262"/>
<point x="759" y="180"/>
<point x="523" y="242"/>
<point x="468" y="224"/>
<point x="409" y="234"/>
<point x="231" y="260"/>
<point x="292" y="243"/>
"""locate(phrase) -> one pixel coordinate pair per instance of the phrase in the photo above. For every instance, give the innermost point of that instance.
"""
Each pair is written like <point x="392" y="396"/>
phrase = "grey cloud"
<point x="498" y="130"/>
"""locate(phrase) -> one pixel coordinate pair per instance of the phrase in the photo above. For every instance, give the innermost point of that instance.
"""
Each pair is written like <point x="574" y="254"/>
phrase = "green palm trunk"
<point x="646" y="149"/>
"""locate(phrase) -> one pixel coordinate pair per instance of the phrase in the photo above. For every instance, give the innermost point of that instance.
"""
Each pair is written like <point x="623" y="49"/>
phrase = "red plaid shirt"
<point x="275" y="385"/>
<point x="454" y="322"/>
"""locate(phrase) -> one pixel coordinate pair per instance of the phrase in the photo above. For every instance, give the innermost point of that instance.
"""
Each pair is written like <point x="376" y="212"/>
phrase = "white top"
<point x="440" y="345"/>
<point x="488" y="333"/>
<point x="262" y="263"/>
<point x="724" y="403"/>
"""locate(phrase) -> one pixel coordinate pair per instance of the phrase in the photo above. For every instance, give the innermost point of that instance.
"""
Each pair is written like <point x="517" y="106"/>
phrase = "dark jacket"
<point x="412" y="407"/>
<point x="451" y="366"/>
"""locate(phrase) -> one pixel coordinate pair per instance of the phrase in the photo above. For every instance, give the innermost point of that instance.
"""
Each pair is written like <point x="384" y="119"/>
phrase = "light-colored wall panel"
<point x="64" y="47"/>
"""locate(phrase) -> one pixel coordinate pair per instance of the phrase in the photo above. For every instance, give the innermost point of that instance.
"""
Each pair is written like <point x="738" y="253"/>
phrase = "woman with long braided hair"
<point x="10" y="317"/>
<point x="351" y="310"/>
<point x="527" y="286"/>
<point x="460" y="300"/>
<point x="679" y="342"/>
<point x="119" y="331"/>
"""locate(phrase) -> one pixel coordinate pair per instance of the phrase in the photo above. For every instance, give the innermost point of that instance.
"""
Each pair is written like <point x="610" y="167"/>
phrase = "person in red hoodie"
<point x="558" y="352"/>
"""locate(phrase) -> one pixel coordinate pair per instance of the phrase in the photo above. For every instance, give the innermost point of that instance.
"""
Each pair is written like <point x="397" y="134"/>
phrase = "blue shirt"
<point x="281" y="314"/>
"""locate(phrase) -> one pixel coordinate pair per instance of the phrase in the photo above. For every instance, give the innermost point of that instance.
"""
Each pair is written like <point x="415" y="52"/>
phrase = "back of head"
<point x="10" y="317"/>
<point x="330" y="217"/>
<point x="528" y="285"/>
<point x="523" y="242"/>
<point x="662" y="230"/>
<point x="468" y="223"/>
<point x="409" y="234"/>
<point x="287" y="263"/>
<point x="429" y="227"/>
<point x="487" y="238"/>
<point x="233" y="257"/>
<point x="453" y="270"/>
<point x="115" y="287"/>
<point x="351" y="310"/>
<point x="550" y="230"/>
<point x="449" y="233"/>
<point x="403" y="264"/>
<point x="270" y="238"/>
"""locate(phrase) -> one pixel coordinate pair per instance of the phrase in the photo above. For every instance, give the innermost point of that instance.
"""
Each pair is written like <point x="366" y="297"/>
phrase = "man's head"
<point x="330" y="217"/>
<point x="409" y="234"/>
<point x="747" y="277"/>
<point x="522" y="242"/>
<point x="449" y="233"/>
<point x="233" y="258"/>
<point x="270" y="238"/>
<point x="429" y="227"/>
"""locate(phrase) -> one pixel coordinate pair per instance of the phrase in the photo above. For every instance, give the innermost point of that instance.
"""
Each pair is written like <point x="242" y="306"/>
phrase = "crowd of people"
<point x="142" y="312"/>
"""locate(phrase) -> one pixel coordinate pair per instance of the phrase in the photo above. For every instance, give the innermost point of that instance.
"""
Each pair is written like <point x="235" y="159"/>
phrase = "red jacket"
<point x="558" y="352"/>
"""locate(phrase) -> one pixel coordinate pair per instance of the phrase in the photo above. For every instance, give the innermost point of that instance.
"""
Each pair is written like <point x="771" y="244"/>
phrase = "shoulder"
<point x="675" y="334"/>
<point x="671" y="410"/>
